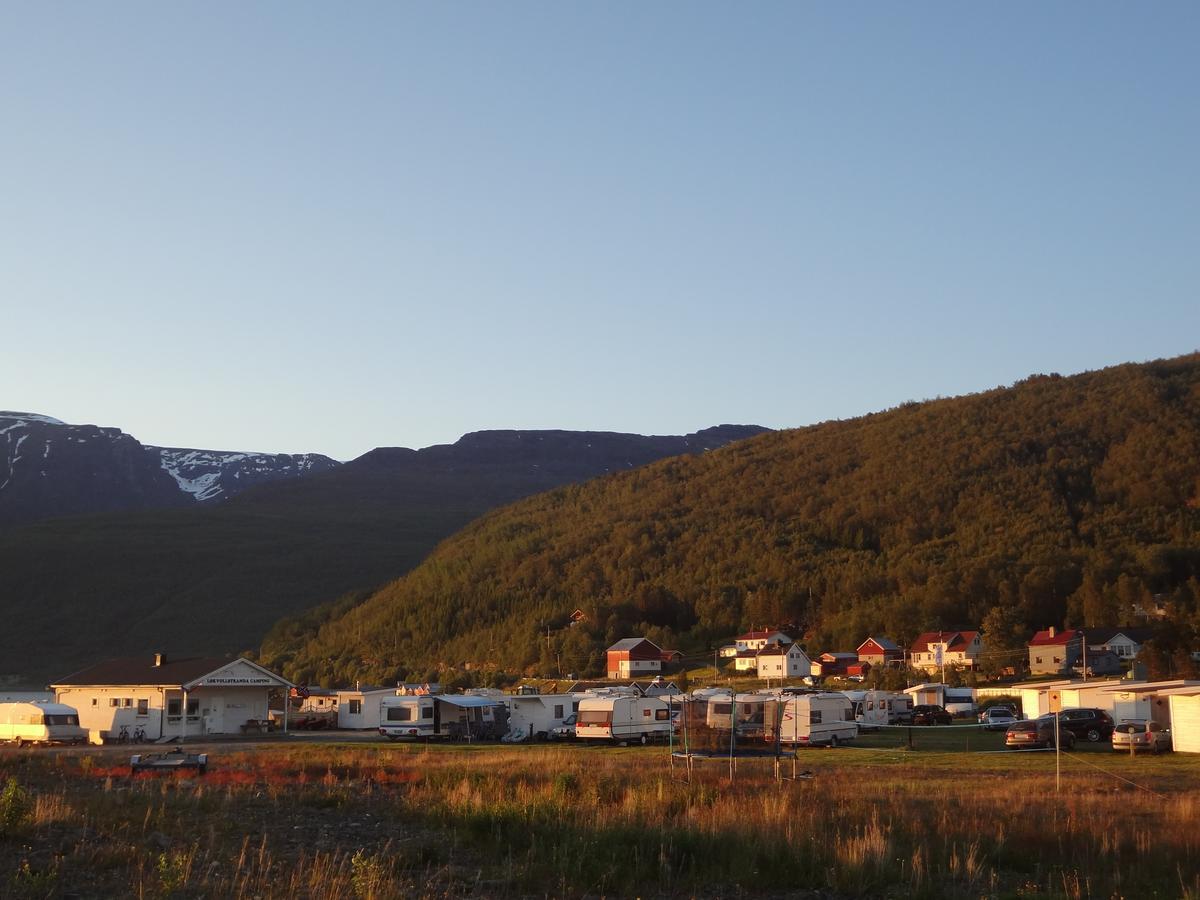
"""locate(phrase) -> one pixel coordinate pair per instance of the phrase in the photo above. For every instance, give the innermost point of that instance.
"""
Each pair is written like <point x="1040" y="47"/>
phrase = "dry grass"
<point x="380" y="822"/>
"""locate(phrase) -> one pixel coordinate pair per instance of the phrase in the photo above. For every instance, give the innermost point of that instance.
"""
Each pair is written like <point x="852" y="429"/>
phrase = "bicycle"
<point x="139" y="735"/>
<point x="123" y="735"/>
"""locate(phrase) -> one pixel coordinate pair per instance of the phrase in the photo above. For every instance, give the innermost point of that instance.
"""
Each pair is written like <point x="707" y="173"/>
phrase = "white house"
<point x="778" y="661"/>
<point x="167" y="697"/>
<point x="756" y="640"/>
<point x="935" y="649"/>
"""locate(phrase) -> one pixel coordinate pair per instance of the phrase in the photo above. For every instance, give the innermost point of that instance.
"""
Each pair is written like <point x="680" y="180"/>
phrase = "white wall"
<point x="1185" y="723"/>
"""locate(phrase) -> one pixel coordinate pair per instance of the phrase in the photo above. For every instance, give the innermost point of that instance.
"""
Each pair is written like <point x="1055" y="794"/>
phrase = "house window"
<point x="95" y="702"/>
<point x="143" y="708"/>
<point x="113" y="701"/>
<point x="174" y="707"/>
<point x="127" y="701"/>
<point x="355" y="707"/>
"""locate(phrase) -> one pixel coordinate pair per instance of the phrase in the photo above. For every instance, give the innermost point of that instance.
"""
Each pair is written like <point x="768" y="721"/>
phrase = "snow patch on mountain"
<point x="207" y="475"/>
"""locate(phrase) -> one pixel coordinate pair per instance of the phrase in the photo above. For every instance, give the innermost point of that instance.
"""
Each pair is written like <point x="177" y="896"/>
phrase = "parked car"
<point x="930" y="714"/>
<point x="1036" y="733"/>
<point x="1092" y="725"/>
<point x="997" y="718"/>
<point x="1142" y="734"/>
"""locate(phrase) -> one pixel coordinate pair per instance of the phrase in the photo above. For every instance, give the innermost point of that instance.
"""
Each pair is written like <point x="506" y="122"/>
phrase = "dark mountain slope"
<point x="1059" y="497"/>
<point x="212" y="579"/>
<point x="50" y="469"/>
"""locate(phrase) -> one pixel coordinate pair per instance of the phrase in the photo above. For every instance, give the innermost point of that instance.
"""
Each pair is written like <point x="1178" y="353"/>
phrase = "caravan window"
<point x="58" y="719"/>
<point x="427" y="712"/>
<point x="662" y="715"/>
<point x="595" y="716"/>
<point x="814" y="717"/>
<point x="558" y="710"/>
<point x="849" y="715"/>
<point x="399" y="713"/>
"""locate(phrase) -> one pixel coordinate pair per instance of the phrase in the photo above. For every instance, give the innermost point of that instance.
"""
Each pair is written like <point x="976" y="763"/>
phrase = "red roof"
<point x="1059" y="638"/>
<point x="954" y="640"/>
<point x="758" y="635"/>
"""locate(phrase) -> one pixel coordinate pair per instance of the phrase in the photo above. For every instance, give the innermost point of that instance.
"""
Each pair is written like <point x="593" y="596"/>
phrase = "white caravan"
<point x="812" y="720"/>
<point x="40" y="723"/>
<point x="535" y="716"/>
<point x="873" y="709"/>
<point x="454" y="716"/>
<point x="624" y="718"/>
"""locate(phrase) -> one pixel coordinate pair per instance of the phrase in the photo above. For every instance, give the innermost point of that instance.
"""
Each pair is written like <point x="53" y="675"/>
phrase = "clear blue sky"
<point x="328" y="227"/>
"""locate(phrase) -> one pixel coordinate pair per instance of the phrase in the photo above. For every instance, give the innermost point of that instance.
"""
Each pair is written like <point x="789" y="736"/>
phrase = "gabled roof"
<point x="141" y="670"/>
<point x="773" y="650"/>
<point x="1060" y="638"/>
<point x="954" y="640"/>
<point x="186" y="673"/>
<point x="882" y="642"/>
<point x="1104" y="635"/>
<point x="632" y="644"/>
<point x="758" y="635"/>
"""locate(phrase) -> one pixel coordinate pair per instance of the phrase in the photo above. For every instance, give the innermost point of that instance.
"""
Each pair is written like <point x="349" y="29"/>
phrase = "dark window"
<point x="174" y="707"/>
<point x="399" y="714"/>
<point x="143" y="707"/>
<point x="814" y="717"/>
<point x="355" y="707"/>
<point x="662" y="715"/>
<point x="558" y="710"/>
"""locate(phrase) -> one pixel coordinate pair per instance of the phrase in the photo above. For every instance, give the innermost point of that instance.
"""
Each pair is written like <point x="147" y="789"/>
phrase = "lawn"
<point x="374" y="821"/>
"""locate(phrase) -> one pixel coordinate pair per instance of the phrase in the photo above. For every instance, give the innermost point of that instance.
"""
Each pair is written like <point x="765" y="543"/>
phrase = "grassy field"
<point x="367" y="821"/>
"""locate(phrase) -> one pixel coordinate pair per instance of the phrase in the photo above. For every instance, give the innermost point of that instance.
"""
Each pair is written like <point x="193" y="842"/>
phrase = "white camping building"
<point x="1185" y="721"/>
<point x="167" y="697"/>
<point x="533" y="716"/>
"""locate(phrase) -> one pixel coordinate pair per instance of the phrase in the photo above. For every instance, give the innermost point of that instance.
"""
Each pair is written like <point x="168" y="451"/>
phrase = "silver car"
<point x="997" y="718"/>
<point x="1141" y="734"/>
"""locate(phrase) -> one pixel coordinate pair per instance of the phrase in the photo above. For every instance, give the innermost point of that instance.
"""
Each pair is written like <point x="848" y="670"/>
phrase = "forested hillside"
<point x="1057" y="499"/>
<point x="212" y="579"/>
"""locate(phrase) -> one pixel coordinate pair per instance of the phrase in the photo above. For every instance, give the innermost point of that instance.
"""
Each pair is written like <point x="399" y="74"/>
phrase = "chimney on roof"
<point x="1051" y="630"/>
<point x="159" y="659"/>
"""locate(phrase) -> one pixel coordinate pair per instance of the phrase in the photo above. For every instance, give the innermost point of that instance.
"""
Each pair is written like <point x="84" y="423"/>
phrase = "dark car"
<point x="1037" y="733"/>
<point x="930" y="714"/>
<point x="1091" y="725"/>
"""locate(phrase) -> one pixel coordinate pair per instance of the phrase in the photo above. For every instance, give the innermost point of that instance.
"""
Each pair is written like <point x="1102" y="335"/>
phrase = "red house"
<point x="880" y="651"/>
<point x="633" y="658"/>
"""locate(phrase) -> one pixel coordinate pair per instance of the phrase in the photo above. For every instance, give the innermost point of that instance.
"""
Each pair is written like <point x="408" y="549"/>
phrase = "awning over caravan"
<point x="467" y="702"/>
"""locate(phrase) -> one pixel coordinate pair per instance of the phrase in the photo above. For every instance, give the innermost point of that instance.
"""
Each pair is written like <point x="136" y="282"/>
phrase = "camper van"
<point x="812" y="720"/>
<point x="40" y="723"/>
<point x="873" y="709"/>
<point x="453" y="716"/>
<point x="624" y="718"/>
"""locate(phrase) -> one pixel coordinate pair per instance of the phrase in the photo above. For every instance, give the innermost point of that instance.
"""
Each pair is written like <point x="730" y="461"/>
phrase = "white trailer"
<point x="535" y="716"/>
<point x="40" y="723"/>
<point x="625" y="718"/>
<point x="813" y="720"/>
<point x="453" y="716"/>
<point x="873" y="709"/>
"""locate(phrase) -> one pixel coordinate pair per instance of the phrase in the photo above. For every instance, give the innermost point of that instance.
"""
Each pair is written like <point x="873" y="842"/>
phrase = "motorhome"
<point x="535" y="716"/>
<point x="453" y="716"/>
<point x="40" y="723"/>
<point x="625" y="718"/>
<point x="812" y="720"/>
